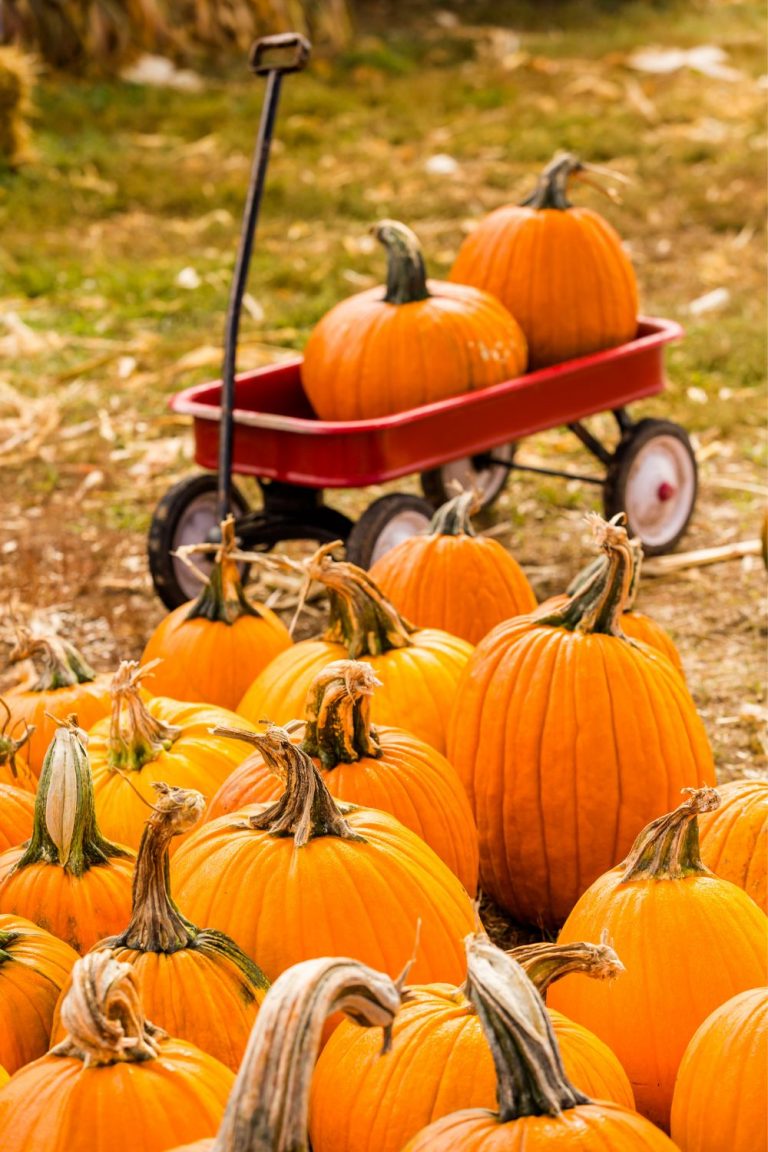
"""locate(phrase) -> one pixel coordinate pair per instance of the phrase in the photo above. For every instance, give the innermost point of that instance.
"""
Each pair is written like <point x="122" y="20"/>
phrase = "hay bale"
<point x="17" y="75"/>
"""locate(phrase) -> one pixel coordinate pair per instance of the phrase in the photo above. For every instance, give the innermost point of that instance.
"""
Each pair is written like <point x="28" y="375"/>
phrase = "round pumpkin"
<point x="450" y="578"/>
<point x="34" y="966"/>
<point x="116" y="1083"/>
<point x="307" y="876"/>
<point x="720" y="1098"/>
<point x="412" y="343"/>
<point x="68" y="878"/>
<point x="688" y="940"/>
<point x="210" y="650"/>
<point x="569" y="739"/>
<point x="146" y="742"/>
<point x="734" y="838"/>
<point x="386" y="768"/>
<point x="561" y="270"/>
<point x="419" y="669"/>
<point x="17" y="809"/>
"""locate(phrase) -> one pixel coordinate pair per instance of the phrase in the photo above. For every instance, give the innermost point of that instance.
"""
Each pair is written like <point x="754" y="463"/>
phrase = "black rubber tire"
<point x="438" y="486"/>
<point x="617" y="489"/>
<point x="363" y="544"/>
<point x="164" y="532"/>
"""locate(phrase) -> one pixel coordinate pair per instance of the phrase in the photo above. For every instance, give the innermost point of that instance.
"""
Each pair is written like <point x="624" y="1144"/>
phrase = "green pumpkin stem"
<point x="406" y="273"/>
<point x="552" y="186"/>
<point x="453" y="517"/>
<point x="668" y="847"/>
<point x="7" y="938"/>
<point x="306" y="808"/>
<point x="136" y="737"/>
<point x="65" y="831"/>
<point x="268" y="1106"/>
<point x="8" y="746"/>
<point x="60" y="663"/>
<point x="338" y="727"/>
<point x="544" y="963"/>
<point x="361" y="617"/>
<point x="222" y="598"/>
<point x="600" y="564"/>
<point x="597" y="606"/>
<point x="530" y="1077"/>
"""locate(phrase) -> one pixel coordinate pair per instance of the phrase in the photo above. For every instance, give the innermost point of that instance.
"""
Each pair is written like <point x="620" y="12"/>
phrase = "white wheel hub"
<point x="660" y="490"/>
<point x="400" y="527"/>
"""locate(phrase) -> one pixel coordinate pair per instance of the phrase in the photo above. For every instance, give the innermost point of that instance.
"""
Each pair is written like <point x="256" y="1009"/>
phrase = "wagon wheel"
<point x="488" y="479"/>
<point x="653" y="478"/>
<point x="385" y="523"/>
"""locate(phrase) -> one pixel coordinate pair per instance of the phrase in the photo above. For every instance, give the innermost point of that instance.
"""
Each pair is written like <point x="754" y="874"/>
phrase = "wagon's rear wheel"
<point x="385" y="523"/>
<point x="489" y="479"/>
<point x="653" y="479"/>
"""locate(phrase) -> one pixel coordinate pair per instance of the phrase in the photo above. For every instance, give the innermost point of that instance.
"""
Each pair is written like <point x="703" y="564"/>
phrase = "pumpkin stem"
<point x="136" y="737"/>
<point x="269" y="1104"/>
<point x="65" y="831"/>
<point x="361" y="617"/>
<point x="103" y="1014"/>
<point x="406" y="273"/>
<point x="544" y="963"/>
<point x="7" y="938"/>
<point x="338" y="726"/>
<point x="598" y="603"/>
<point x="222" y="598"/>
<point x="8" y="746"/>
<point x="600" y="564"/>
<point x="530" y="1077"/>
<point x="453" y="517"/>
<point x="306" y="809"/>
<point x="552" y="186"/>
<point x="61" y="665"/>
<point x="668" y="847"/>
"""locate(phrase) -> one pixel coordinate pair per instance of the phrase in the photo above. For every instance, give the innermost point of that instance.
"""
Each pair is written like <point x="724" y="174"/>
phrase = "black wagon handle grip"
<point x="285" y="52"/>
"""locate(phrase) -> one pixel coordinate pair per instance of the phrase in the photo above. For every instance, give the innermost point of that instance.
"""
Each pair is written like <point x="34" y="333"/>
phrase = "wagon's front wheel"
<point x="653" y="479"/>
<point x="385" y="523"/>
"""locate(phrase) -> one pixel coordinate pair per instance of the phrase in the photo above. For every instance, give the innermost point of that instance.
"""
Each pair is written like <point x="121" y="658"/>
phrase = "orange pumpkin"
<point x="211" y="649"/>
<point x="720" y="1098"/>
<point x="734" y="838"/>
<point x="452" y="579"/>
<point x="143" y="743"/>
<point x="415" y="342"/>
<point x="440" y="1060"/>
<point x="307" y="877"/>
<point x="688" y="939"/>
<point x="116" y="1083"/>
<point x="34" y="966"/>
<point x="384" y="768"/>
<point x="68" y="878"/>
<point x="561" y="270"/>
<point x="569" y="739"/>
<point x="419" y="668"/>
<point x="16" y="815"/>
<point x="538" y="1106"/>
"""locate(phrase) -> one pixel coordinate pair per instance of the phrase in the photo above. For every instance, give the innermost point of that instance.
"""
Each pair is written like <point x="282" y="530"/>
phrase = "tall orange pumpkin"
<point x="560" y="270"/>
<point x="538" y="1106"/>
<point x="212" y="648"/>
<point x="419" y="668"/>
<point x="569" y="739"/>
<point x="116" y="1083"/>
<point x="386" y="768"/>
<point x="415" y="342"/>
<point x="440" y="1060"/>
<point x="734" y="838"/>
<point x="689" y="941"/>
<point x="450" y="578"/>
<point x="307" y="876"/>
<point x="68" y="878"/>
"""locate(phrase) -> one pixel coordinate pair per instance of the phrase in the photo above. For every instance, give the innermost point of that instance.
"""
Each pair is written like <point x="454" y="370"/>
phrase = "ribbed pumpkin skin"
<point x="79" y="910"/>
<point x="562" y="274"/>
<point x="210" y="662"/>
<point x="418" y="689"/>
<point x="331" y="897"/>
<point x="568" y="743"/>
<point x="464" y="584"/>
<point x="89" y="702"/>
<point x="720" y="1098"/>
<point x="21" y="778"/>
<point x="197" y="759"/>
<point x="734" y="838"/>
<point x="367" y="358"/>
<point x="687" y="945"/>
<point x="601" y="1127"/>
<point x="36" y="969"/>
<point x="16" y="811"/>
<point x="440" y="1062"/>
<point x="637" y="626"/>
<point x="58" y="1105"/>
<point x="410" y="780"/>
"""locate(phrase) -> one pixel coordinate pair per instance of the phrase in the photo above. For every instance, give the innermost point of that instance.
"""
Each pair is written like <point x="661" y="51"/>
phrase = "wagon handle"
<point x="273" y="57"/>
